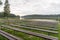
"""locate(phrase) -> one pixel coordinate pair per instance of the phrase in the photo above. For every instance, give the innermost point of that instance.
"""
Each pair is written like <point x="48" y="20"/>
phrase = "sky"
<point x="28" y="7"/>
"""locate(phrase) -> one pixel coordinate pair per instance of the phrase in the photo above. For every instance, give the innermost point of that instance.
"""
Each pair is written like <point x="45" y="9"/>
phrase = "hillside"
<point x="41" y="16"/>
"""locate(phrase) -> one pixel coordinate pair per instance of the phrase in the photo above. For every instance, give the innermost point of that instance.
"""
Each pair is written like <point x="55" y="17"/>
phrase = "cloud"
<point x="26" y="7"/>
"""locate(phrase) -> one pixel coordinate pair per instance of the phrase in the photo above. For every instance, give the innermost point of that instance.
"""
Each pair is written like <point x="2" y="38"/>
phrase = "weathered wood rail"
<point x="46" y="37"/>
<point x="9" y="36"/>
<point x="55" y="32"/>
<point x="39" y="27"/>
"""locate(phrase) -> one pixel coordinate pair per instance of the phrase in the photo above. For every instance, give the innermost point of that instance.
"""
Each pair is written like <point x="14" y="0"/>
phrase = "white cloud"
<point x="25" y="7"/>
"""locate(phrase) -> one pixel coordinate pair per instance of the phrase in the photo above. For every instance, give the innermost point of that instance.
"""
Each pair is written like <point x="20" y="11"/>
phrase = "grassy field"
<point x="38" y="31"/>
<point x="59" y="30"/>
<point x="21" y="34"/>
<point x="3" y="38"/>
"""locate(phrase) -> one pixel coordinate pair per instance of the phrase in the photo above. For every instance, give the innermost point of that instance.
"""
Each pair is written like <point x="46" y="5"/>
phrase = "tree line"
<point x="10" y="15"/>
<point x="41" y="17"/>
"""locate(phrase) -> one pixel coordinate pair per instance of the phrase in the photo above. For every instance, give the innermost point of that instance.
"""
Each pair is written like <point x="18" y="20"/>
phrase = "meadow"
<point x="32" y="26"/>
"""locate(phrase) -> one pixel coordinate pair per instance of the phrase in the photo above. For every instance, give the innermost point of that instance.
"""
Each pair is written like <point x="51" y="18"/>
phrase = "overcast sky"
<point x="27" y="7"/>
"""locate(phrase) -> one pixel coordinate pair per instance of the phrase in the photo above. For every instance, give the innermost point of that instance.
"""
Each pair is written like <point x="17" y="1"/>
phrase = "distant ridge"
<point x="34" y="16"/>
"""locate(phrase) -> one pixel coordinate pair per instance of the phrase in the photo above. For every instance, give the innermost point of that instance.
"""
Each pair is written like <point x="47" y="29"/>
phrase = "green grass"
<point x="59" y="30"/>
<point x="33" y="26"/>
<point x="39" y="27"/>
<point x="22" y="35"/>
<point x="26" y="36"/>
<point x="47" y="33"/>
<point x="3" y="38"/>
<point x="38" y="31"/>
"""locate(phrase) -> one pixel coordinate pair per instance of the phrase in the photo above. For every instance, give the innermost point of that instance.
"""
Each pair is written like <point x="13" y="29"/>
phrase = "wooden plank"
<point x="55" y="32"/>
<point x="9" y="36"/>
<point x="32" y="33"/>
<point x="36" y="27"/>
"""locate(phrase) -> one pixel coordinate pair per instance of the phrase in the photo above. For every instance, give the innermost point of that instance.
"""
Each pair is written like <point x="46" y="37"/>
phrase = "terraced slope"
<point x="28" y="31"/>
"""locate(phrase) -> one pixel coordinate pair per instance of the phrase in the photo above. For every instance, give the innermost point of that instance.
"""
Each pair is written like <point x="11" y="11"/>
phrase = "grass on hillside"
<point x="42" y="32"/>
<point x="3" y="38"/>
<point x="59" y="30"/>
<point x="22" y="35"/>
<point x="38" y="31"/>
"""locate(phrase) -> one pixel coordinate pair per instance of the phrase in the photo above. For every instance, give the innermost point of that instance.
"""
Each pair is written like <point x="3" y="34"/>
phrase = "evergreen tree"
<point x="6" y="9"/>
<point x="0" y="2"/>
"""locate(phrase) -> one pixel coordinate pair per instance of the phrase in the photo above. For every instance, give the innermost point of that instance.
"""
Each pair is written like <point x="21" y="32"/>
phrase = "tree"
<point x="0" y="2"/>
<point x="7" y="10"/>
